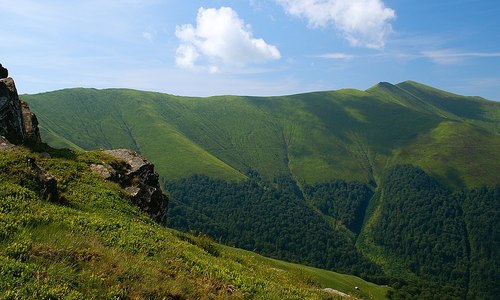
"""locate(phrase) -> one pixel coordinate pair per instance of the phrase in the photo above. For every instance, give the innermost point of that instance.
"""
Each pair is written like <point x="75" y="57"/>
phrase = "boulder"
<point x="11" y="117"/>
<point x="139" y="179"/>
<point x="30" y="122"/>
<point x="17" y="123"/>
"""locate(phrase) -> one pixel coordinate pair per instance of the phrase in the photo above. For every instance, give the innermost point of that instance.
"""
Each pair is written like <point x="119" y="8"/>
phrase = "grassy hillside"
<point x="123" y="119"/>
<point x="315" y="137"/>
<point x="97" y="245"/>
<point x="456" y="152"/>
<point x="307" y="177"/>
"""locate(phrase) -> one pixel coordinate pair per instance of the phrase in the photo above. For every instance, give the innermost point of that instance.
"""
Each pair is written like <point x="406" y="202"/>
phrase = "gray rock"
<point x="17" y="123"/>
<point x="335" y="292"/>
<point x="11" y="116"/>
<point x="139" y="179"/>
<point x="30" y="122"/>
<point x="105" y="171"/>
<point x="5" y="144"/>
<point x="4" y="73"/>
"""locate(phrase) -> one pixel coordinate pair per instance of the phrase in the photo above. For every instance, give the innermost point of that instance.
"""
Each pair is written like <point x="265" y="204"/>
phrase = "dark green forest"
<point x="444" y="242"/>
<point x="482" y="218"/>
<point x="343" y="201"/>
<point x="422" y="225"/>
<point x="270" y="218"/>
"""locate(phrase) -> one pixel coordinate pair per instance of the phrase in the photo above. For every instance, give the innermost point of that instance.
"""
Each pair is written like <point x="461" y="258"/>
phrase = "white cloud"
<point x="337" y="56"/>
<point x="450" y="56"/>
<point x="221" y="38"/>
<point x="363" y="23"/>
<point x="186" y="56"/>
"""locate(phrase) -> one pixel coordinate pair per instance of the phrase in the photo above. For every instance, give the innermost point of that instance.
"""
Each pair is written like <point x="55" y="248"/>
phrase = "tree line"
<point x="446" y="241"/>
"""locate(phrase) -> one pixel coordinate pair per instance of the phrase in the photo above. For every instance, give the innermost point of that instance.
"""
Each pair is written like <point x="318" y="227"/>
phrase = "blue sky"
<point x="251" y="47"/>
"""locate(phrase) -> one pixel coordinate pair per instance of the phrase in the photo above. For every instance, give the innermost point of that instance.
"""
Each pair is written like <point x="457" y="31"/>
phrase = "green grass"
<point x="98" y="245"/>
<point x="341" y="282"/>
<point x="346" y="134"/>
<point x="121" y="119"/>
<point x="458" y="153"/>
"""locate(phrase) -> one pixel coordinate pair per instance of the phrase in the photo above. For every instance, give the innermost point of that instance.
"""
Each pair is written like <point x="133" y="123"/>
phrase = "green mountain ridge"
<point x="377" y="183"/>
<point x="346" y="134"/>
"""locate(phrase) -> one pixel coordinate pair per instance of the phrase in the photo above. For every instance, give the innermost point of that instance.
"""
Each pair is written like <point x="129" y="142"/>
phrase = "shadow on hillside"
<point x="56" y="153"/>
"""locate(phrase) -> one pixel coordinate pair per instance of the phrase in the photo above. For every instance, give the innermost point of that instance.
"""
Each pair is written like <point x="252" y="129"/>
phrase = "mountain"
<point x="398" y="184"/>
<point x="315" y="137"/>
<point x="80" y="225"/>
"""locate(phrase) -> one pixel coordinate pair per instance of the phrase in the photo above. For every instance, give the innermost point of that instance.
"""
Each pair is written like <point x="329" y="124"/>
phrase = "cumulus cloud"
<point x="186" y="55"/>
<point x="220" y="38"/>
<point x="363" y="23"/>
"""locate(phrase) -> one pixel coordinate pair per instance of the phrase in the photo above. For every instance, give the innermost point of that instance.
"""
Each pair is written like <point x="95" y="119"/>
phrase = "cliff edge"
<point x="17" y="123"/>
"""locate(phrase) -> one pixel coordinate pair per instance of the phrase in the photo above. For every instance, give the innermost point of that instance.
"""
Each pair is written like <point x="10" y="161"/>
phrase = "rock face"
<point x="4" y="73"/>
<point x="17" y="123"/>
<point x="30" y="122"/>
<point x="11" y="117"/>
<point x="139" y="180"/>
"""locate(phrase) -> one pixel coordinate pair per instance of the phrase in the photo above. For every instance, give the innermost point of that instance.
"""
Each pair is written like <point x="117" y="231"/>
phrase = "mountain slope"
<point x="365" y="182"/>
<point x="122" y="119"/>
<point x="315" y="137"/>
<point x="97" y="244"/>
<point x="473" y="109"/>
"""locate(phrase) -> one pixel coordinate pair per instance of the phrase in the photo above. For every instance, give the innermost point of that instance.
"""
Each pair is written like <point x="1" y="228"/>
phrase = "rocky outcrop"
<point x="139" y="179"/>
<point x="4" y="73"/>
<point x="11" y="116"/>
<point x="17" y="123"/>
<point x="30" y="122"/>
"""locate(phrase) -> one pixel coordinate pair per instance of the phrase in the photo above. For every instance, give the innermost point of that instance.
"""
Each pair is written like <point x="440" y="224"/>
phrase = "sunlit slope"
<point x="125" y="119"/>
<point x="96" y="243"/>
<point x="315" y="137"/>
<point x="460" y="154"/>
<point x="475" y="110"/>
<point x="463" y="150"/>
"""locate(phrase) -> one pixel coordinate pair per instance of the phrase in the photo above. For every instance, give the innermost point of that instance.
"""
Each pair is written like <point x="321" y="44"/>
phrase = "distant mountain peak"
<point x="385" y="84"/>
